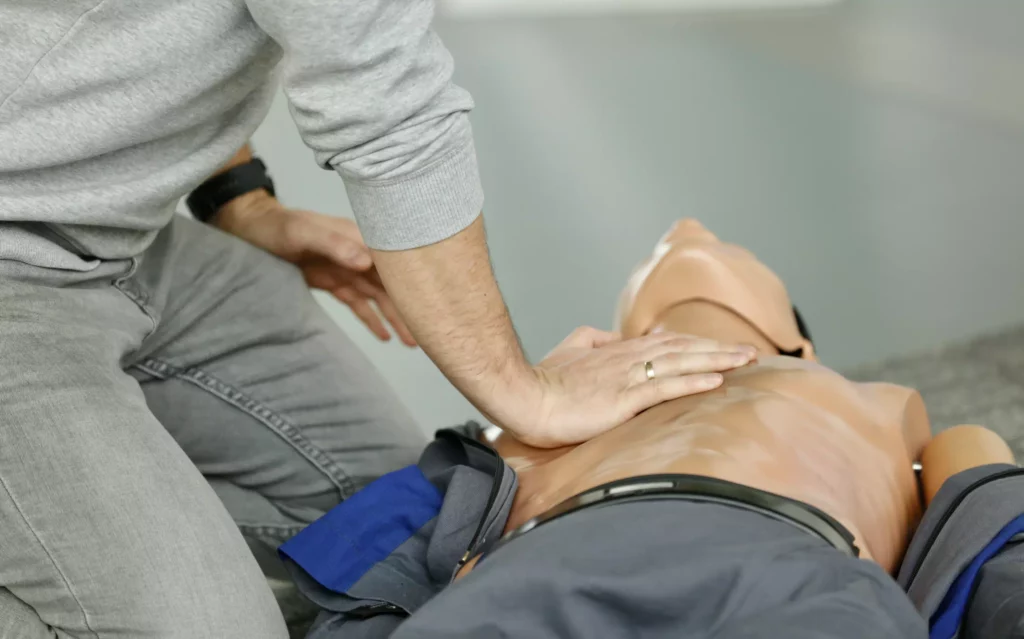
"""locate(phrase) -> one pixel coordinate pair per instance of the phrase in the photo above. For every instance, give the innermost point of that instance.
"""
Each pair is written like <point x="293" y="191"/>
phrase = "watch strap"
<point x="211" y="195"/>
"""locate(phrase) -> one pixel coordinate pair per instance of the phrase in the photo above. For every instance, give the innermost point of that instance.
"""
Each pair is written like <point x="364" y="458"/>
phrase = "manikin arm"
<point x="958" y="449"/>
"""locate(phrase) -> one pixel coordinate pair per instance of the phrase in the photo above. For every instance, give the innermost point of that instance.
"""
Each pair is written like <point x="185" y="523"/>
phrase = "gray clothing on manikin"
<point x="662" y="568"/>
<point x="112" y="110"/>
<point x="157" y="415"/>
<point x="652" y="569"/>
<point x="969" y="510"/>
<point x="477" y="488"/>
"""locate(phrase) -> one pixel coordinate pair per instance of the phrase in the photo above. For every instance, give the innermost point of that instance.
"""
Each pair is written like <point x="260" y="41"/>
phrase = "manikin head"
<point x="690" y="264"/>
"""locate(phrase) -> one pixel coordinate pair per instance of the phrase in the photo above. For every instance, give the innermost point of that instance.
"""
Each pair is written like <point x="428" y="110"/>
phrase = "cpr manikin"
<point x="785" y="424"/>
<point x="735" y="513"/>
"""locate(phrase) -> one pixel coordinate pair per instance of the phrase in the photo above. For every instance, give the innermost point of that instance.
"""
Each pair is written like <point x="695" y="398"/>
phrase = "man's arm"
<point x="450" y="279"/>
<point x="369" y="84"/>
<point x="454" y="308"/>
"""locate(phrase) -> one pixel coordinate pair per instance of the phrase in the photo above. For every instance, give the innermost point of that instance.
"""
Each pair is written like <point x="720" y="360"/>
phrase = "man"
<point x="776" y="506"/>
<point x="165" y="385"/>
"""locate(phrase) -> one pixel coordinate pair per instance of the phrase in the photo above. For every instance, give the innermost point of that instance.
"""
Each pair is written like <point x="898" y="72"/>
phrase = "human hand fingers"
<point x="387" y="308"/>
<point x="658" y="390"/>
<point x="336" y="239"/>
<point x="588" y="337"/>
<point x="364" y="311"/>
<point x="674" y="364"/>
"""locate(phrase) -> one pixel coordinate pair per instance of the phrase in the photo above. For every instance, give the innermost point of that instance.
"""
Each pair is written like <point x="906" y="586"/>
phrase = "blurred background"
<point x="871" y="152"/>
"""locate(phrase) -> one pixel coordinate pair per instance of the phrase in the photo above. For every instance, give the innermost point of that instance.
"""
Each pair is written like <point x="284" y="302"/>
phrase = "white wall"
<point x="458" y="9"/>
<point x="886" y="191"/>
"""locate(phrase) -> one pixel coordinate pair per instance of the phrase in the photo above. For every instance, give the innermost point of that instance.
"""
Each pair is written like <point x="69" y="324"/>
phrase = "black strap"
<point x="805" y="333"/>
<point x="698" y="488"/>
<point x="214" y="193"/>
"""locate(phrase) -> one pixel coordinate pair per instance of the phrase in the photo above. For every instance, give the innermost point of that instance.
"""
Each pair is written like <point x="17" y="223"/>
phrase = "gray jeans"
<point x="161" y="416"/>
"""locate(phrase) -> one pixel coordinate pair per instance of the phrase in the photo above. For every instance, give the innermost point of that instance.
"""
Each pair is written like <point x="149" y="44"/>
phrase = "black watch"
<point x="214" y="193"/>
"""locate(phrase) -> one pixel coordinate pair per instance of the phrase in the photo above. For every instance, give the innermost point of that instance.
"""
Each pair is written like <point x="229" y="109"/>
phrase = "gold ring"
<point x="649" y="369"/>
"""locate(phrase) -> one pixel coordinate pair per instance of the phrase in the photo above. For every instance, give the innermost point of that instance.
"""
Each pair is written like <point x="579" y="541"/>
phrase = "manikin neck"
<point x="707" y="319"/>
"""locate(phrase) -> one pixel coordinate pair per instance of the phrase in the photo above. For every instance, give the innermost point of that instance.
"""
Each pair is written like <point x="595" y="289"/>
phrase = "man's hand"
<point x="328" y="250"/>
<point x="591" y="383"/>
<point x="594" y="381"/>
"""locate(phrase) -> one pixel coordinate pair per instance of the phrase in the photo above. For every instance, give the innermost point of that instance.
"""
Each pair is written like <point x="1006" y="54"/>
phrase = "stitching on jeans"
<point x="136" y="296"/>
<point x="49" y="555"/>
<point x="259" y="411"/>
<point x="158" y="369"/>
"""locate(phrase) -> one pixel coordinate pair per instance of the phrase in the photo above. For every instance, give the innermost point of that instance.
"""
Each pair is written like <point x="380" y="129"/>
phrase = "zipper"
<point x="363" y="613"/>
<point x="949" y="513"/>
<point x="499" y="472"/>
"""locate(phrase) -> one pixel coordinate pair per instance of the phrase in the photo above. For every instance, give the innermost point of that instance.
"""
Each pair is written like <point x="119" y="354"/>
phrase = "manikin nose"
<point x="692" y="230"/>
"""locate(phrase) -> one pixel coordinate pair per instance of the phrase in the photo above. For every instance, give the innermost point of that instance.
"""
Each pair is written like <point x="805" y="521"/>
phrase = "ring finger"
<point x="677" y="364"/>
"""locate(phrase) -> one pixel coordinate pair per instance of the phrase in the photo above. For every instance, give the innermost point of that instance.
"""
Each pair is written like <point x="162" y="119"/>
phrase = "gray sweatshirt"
<point x="111" y="110"/>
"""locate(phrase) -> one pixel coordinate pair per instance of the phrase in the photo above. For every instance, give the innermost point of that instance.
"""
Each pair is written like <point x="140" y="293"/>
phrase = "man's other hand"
<point x="328" y="250"/>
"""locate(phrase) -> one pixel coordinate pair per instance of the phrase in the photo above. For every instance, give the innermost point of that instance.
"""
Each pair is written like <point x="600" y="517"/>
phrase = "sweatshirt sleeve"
<point x="369" y="86"/>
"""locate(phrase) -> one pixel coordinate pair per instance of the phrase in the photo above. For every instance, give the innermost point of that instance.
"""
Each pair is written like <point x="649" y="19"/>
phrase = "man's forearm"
<point x="449" y="298"/>
<point x="243" y="156"/>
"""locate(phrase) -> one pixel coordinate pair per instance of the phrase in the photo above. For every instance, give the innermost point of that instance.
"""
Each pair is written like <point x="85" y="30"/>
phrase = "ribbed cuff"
<point x="431" y="205"/>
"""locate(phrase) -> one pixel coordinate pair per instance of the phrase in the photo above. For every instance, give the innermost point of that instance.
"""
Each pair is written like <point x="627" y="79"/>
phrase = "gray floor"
<point x="977" y="382"/>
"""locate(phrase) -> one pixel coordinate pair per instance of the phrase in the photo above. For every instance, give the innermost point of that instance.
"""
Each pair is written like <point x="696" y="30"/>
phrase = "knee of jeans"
<point x="200" y="582"/>
<point x="141" y="609"/>
<point x="202" y="607"/>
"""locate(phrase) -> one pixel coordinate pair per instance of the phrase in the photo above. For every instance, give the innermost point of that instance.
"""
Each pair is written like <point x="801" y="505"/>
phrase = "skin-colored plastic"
<point x="688" y="264"/>
<point x="958" y="449"/>
<point x="784" y="424"/>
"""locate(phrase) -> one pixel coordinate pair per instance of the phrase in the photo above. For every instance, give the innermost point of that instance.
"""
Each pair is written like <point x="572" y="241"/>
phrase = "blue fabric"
<point x="340" y="547"/>
<point x="946" y="620"/>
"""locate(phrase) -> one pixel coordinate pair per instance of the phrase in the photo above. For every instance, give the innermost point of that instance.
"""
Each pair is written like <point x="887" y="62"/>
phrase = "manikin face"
<point x="690" y="264"/>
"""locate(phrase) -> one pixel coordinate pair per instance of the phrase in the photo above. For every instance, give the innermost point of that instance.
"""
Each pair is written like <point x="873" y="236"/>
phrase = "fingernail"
<point x="714" y="380"/>
<point x="354" y="258"/>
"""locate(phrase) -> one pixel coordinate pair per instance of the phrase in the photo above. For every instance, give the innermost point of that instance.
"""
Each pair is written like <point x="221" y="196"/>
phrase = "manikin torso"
<point x="785" y="424"/>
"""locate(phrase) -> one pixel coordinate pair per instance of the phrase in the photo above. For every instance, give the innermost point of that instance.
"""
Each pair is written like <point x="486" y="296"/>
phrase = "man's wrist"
<point x="244" y="208"/>
<point x="517" y="401"/>
<point x="241" y="175"/>
<point x="503" y="383"/>
<point x="450" y="299"/>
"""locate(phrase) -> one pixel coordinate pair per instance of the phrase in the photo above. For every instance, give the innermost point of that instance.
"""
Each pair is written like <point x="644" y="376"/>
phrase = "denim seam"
<point x="137" y="297"/>
<point x="49" y="555"/>
<point x="258" y="411"/>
